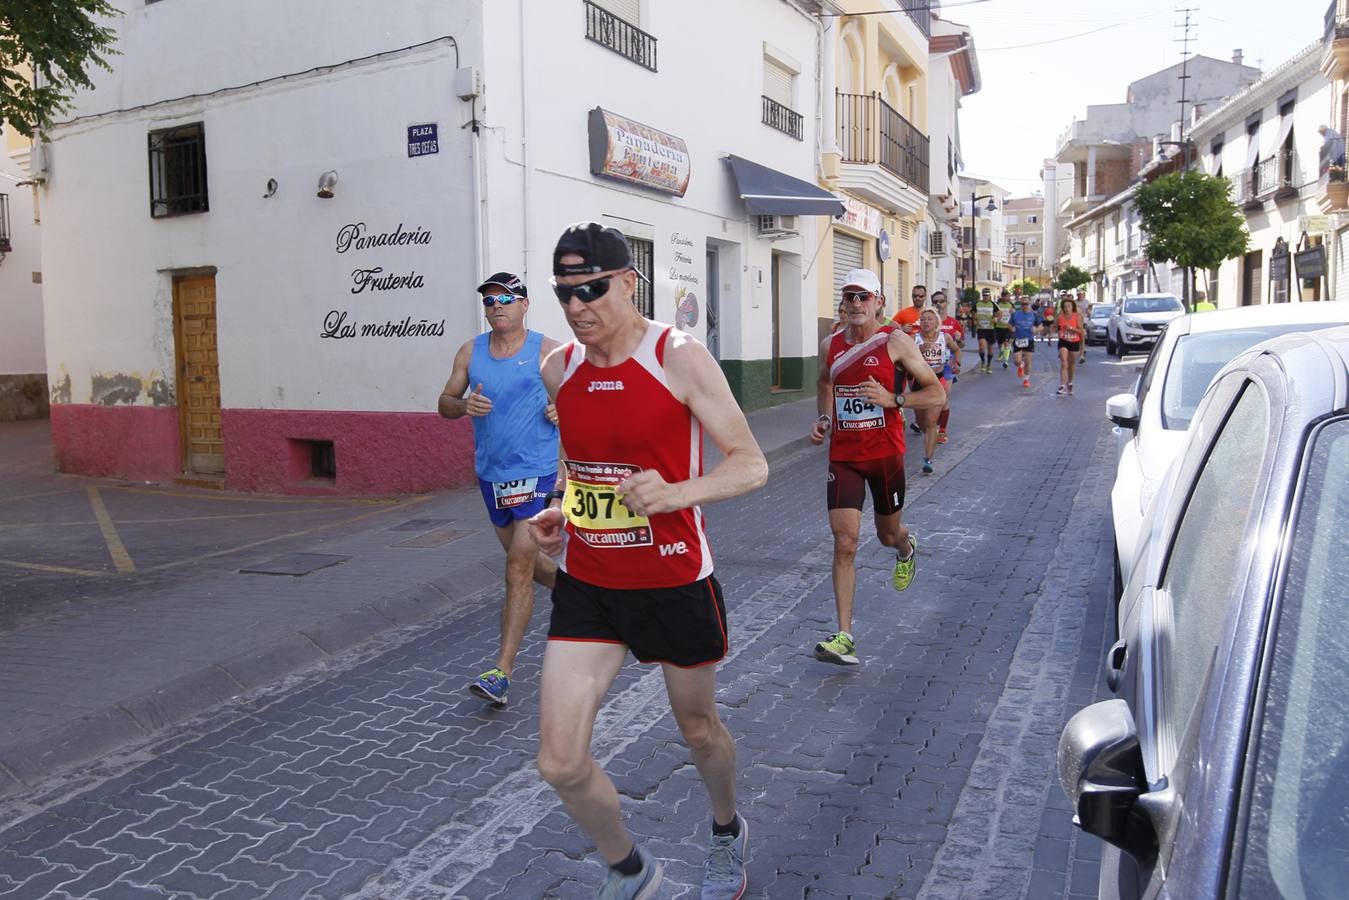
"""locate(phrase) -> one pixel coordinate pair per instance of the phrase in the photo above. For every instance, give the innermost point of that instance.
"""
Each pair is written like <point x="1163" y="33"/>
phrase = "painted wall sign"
<point x="686" y="275"/>
<point x="423" y="140"/>
<point x="638" y="154"/>
<point x="369" y="277"/>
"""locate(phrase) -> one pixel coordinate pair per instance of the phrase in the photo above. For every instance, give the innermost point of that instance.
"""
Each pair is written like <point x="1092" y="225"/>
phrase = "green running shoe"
<point x="904" y="568"/>
<point x="492" y="686"/>
<point x="838" y="649"/>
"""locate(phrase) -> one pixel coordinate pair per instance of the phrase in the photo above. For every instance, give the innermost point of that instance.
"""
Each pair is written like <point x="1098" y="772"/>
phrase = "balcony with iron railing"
<point x="1332" y="188"/>
<point x="620" y="36"/>
<point x="783" y="118"/>
<point x="921" y="13"/>
<point x="872" y="133"/>
<point x="1275" y="178"/>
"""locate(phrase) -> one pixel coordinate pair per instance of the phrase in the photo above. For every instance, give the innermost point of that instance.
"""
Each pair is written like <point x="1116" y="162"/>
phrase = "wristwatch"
<point x="899" y="401"/>
<point x="552" y="495"/>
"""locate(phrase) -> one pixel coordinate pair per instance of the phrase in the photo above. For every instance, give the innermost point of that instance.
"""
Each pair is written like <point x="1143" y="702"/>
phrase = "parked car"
<point x="1097" y="320"/>
<point x="1138" y="320"/>
<point x="1221" y="766"/>
<point x="1151" y="420"/>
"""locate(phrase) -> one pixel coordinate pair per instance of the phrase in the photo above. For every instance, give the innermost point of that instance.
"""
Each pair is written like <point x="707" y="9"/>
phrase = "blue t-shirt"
<point x="514" y="440"/>
<point x="1023" y="323"/>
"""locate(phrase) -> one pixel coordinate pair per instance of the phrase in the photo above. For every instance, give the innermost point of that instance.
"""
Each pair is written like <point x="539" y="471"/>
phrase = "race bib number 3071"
<point x="596" y="513"/>
<point x="853" y="411"/>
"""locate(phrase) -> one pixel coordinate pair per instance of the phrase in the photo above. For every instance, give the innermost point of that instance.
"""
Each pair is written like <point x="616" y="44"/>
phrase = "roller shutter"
<point x="848" y="255"/>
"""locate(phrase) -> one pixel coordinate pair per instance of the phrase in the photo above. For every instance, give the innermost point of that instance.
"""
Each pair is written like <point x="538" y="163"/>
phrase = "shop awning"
<point x="771" y="193"/>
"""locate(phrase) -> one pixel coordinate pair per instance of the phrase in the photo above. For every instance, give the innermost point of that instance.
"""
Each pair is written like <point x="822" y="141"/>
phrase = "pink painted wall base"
<point x="273" y="451"/>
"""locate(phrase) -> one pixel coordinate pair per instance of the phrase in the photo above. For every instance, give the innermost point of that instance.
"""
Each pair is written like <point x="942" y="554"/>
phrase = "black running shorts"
<point x="1023" y="345"/>
<point x="1070" y="346"/>
<point x="684" y="626"/>
<point x="848" y="481"/>
<point x="987" y="334"/>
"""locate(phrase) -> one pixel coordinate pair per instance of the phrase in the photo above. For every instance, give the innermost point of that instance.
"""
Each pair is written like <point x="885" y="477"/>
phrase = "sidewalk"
<point x="109" y="669"/>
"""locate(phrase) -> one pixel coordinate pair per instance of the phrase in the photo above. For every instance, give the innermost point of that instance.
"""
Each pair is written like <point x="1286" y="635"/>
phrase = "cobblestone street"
<point x="927" y="771"/>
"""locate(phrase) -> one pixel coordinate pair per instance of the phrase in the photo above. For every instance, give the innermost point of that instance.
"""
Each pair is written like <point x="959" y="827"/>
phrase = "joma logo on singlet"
<point x="674" y="549"/>
<point x="605" y="386"/>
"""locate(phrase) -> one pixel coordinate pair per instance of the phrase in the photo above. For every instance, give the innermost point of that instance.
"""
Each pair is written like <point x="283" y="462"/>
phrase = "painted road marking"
<point x="39" y="567"/>
<point x="120" y="558"/>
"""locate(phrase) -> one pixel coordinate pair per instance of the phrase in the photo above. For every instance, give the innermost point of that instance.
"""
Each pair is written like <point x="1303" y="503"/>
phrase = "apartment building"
<point x="23" y="366"/>
<point x="1023" y="220"/>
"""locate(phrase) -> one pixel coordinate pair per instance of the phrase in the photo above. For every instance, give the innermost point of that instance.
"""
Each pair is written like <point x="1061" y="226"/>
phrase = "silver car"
<point x="1097" y="321"/>
<point x="1221" y="767"/>
<point x="1138" y="320"/>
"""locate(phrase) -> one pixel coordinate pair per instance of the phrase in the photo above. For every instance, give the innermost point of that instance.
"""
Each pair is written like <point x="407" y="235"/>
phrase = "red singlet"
<point x="616" y="421"/>
<point x="862" y="430"/>
<point x="953" y="328"/>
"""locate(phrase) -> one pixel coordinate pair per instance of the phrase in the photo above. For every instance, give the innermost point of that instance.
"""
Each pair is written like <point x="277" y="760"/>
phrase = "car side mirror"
<point x="1122" y="409"/>
<point x="1101" y="771"/>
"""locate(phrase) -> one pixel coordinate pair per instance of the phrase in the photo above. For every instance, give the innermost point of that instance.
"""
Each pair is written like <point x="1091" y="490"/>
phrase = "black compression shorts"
<point x="848" y="481"/>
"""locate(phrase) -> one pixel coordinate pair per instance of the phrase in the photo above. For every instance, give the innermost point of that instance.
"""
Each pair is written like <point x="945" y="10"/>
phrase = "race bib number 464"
<point x="853" y="411"/>
<point x="596" y="513"/>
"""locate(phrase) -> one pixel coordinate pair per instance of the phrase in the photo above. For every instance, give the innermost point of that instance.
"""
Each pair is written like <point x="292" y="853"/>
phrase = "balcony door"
<point x="1252" y="274"/>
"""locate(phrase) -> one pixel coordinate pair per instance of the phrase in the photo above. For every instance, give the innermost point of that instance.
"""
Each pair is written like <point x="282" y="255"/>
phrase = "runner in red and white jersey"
<point x="633" y="400"/>
<point x="860" y="407"/>
<point x="950" y="325"/>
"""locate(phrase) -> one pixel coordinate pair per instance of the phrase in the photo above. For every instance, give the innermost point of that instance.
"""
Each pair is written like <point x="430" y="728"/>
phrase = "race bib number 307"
<point x="596" y="513"/>
<point x="853" y="411"/>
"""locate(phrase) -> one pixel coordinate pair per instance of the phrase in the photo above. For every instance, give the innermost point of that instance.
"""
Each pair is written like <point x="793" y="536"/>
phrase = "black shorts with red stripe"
<point x="847" y="483"/>
<point x="684" y="626"/>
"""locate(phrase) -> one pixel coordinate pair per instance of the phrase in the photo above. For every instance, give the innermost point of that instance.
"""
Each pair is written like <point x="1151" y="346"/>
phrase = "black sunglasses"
<point x="857" y="295"/>
<point x="490" y="300"/>
<point x="586" y="291"/>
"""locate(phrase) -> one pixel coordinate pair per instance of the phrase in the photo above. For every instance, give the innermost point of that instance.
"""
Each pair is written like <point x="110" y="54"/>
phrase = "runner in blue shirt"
<point x="1023" y="339"/>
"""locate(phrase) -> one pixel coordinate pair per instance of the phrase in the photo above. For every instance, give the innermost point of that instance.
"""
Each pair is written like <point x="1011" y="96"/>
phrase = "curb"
<point x="24" y="764"/>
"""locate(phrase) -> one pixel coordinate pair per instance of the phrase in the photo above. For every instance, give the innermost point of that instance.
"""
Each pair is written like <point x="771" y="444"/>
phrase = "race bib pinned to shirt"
<point x="509" y="494"/>
<point x="853" y="411"/>
<point x="594" y="509"/>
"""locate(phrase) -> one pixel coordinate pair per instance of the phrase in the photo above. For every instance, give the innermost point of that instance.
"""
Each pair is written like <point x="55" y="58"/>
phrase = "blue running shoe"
<point x="492" y="686"/>
<point x="634" y="887"/>
<point x="724" y="875"/>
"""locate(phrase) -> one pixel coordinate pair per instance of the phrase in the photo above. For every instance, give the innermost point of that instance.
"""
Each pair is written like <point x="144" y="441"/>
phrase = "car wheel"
<point x="1109" y="347"/>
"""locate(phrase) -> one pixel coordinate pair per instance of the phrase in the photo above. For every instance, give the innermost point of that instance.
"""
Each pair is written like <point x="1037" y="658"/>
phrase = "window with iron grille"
<point x="643" y="256"/>
<point x="178" y="171"/>
<point x="613" y="24"/>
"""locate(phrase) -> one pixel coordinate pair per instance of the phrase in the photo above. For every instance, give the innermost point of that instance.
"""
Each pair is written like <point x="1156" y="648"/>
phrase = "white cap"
<point x="864" y="279"/>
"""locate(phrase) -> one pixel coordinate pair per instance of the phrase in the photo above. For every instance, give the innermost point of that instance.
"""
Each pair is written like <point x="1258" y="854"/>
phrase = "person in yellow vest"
<point x="1201" y="303"/>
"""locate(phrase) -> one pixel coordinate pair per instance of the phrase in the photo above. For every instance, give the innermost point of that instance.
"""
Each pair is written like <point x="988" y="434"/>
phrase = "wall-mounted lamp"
<point x="327" y="181"/>
<point x="271" y="188"/>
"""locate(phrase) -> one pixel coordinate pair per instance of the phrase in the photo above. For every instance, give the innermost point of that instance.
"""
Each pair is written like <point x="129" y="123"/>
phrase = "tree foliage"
<point x="1029" y="287"/>
<point x="57" y="40"/>
<point x="1191" y="221"/>
<point x="1071" y="278"/>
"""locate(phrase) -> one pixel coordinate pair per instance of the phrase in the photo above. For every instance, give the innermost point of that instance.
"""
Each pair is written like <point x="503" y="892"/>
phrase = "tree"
<point x="56" y="39"/>
<point x="1071" y="278"/>
<point x="1029" y="287"/>
<point x="1191" y="221"/>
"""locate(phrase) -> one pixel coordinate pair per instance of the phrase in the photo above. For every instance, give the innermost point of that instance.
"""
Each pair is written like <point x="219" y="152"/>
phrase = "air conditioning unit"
<point x="937" y="243"/>
<point x="770" y="225"/>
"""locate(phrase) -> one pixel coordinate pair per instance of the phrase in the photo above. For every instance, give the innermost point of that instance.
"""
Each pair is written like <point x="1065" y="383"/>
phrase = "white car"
<point x="1138" y="321"/>
<point x="1151" y="421"/>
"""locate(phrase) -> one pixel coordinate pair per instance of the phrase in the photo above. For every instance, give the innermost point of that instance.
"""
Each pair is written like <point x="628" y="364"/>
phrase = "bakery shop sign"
<point x="638" y="154"/>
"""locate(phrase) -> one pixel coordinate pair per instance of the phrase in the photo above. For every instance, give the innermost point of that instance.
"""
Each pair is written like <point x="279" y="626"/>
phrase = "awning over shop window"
<point x="771" y="193"/>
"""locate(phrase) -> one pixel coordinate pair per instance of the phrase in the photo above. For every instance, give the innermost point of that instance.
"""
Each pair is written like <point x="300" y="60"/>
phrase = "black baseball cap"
<point x="506" y="281"/>
<point x="601" y="248"/>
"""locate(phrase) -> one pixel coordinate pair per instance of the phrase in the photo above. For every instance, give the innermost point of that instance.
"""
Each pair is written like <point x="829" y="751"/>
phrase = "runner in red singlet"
<point x="635" y="571"/>
<point x="860" y="412"/>
<point x="1070" y="343"/>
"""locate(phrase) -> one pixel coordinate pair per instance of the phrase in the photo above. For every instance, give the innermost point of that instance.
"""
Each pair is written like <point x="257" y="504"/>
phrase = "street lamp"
<point x="1022" y="244"/>
<point x="974" y="229"/>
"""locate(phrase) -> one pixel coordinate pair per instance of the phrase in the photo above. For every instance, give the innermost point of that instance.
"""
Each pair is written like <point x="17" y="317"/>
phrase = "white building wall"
<point x="21" y="342"/>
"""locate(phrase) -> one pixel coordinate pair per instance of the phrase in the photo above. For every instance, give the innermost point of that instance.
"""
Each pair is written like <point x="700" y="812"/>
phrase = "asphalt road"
<point x="926" y="771"/>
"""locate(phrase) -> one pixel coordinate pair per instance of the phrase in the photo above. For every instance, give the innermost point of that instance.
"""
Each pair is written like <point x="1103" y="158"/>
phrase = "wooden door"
<point x="198" y="374"/>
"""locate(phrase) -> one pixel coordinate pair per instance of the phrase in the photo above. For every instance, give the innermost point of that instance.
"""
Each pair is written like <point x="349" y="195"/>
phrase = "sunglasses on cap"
<point x="490" y="300"/>
<point x="586" y="291"/>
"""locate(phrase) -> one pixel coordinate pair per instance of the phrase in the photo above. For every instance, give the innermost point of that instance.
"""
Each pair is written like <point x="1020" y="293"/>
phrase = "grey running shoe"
<point x="634" y="887"/>
<point x="724" y="875"/>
